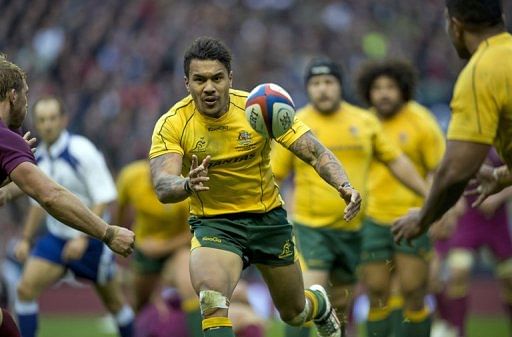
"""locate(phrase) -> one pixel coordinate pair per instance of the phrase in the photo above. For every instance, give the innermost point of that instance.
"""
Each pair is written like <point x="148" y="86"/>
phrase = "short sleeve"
<point x="298" y="129"/>
<point x="433" y="145"/>
<point x="13" y="151"/>
<point x="475" y="109"/>
<point x="165" y="137"/>
<point x="94" y="171"/>
<point x="384" y="148"/>
<point x="281" y="160"/>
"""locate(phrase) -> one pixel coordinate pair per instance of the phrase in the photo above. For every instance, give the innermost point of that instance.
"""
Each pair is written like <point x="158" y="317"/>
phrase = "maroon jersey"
<point x="13" y="151"/>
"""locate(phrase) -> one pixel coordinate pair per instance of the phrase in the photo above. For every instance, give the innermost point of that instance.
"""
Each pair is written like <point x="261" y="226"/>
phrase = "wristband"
<point x="186" y="186"/>
<point x="108" y="236"/>
<point x="346" y="184"/>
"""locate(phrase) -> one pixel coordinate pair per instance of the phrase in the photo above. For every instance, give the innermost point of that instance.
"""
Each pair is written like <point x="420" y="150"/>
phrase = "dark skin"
<point x="462" y="159"/>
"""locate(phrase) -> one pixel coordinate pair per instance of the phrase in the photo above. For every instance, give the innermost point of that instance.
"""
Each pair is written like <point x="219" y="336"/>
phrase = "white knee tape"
<point x="460" y="259"/>
<point x="504" y="269"/>
<point x="210" y="300"/>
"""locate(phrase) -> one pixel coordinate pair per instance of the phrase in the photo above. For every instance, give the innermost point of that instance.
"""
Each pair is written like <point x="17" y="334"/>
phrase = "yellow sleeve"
<point x="165" y="137"/>
<point x="433" y="145"/>
<point x="298" y="129"/>
<point x="281" y="160"/>
<point x="383" y="146"/>
<point x="475" y="109"/>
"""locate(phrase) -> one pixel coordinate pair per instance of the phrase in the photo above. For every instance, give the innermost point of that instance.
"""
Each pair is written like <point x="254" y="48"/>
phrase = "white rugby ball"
<point x="270" y="110"/>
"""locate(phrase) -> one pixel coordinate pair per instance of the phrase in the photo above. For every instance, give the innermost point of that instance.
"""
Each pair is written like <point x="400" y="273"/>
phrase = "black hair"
<point x="401" y="72"/>
<point x="207" y="48"/>
<point x="476" y="13"/>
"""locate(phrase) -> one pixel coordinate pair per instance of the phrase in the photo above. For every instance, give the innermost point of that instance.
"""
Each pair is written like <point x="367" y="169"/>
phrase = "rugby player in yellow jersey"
<point x="329" y="245"/>
<point x="237" y="215"/>
<point x="163" y="240"/>
<point x="481" y="112"/>
<point x="388" y="87"/>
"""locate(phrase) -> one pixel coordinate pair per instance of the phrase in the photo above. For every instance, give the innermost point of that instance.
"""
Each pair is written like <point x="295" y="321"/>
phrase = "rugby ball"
<point x="270" y="110"/>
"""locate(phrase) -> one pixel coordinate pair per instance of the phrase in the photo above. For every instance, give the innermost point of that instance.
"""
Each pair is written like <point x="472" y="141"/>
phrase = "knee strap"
<point x="210" y="300"/>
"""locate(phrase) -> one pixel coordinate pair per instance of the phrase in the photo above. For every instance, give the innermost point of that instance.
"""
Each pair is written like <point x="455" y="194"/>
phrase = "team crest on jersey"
<point x="200" y="146"/>
<point x="287" y="250"/>
<point x="245" y="141"/>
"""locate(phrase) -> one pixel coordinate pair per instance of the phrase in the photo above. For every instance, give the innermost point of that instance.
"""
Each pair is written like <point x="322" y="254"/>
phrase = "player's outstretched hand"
<point x="119" y="239"/>
<point x="31" y="141"/>
<point x="407" y="227"/>
<point x="486" y="184"/>
<point x="198" y="175"/>
<point x="352" y="199"/>
<point x="22" y="250"/>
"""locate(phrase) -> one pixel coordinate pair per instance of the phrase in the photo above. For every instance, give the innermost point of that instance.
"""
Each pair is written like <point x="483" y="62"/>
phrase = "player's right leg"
<point x="146" y="276"/>
<point x="376" y="267"/>
<point x="38" y="275"/>
<point x="214" y="274"/>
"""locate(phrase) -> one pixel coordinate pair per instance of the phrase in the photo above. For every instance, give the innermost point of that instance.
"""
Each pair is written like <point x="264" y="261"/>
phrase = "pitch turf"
<point x="88" y="326"/>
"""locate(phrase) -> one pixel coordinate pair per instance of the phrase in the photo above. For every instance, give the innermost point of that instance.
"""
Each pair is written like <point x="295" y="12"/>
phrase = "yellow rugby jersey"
<point x="355" y="137"/>
<point x="482" y="98"/>
<point x="152" y="218"/>
<point x="417" y="133"/>
<point x="241" y="179"/>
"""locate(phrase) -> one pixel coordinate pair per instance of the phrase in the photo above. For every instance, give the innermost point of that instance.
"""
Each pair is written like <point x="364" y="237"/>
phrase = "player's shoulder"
<point x="422" y="114"/>
<point x="238" y="98"/>
<point x="305" y="112"/>
<point x="362" y="115"/>
<point x="8" y="136"/>
<point x="181" y="110"/>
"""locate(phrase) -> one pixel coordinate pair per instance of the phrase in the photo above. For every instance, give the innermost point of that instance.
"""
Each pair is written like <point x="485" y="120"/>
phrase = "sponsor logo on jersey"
<point x="212" y="128"/>
<point x="211" y="239"/>
<point x="238" y="159"/>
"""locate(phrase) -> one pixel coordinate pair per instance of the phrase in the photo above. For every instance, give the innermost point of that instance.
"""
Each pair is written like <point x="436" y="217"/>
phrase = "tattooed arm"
<point x="168" y="183"/>
<point x="311" y="151"/>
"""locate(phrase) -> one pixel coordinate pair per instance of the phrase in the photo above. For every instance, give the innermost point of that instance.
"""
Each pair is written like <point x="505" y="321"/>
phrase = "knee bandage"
<point x="211" y="300"/>
<point x="460" y="259"/>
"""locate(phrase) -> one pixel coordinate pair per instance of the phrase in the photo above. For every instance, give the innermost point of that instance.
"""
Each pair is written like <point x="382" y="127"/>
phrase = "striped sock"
<point x="416" y="323"/>
<point x="379" y="322"/>
<point x="217" y="327"/>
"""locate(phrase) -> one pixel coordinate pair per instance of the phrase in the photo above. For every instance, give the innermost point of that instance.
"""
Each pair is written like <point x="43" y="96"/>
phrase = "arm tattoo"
<point x="311" y="151"/>
<point x="168" y="187"/>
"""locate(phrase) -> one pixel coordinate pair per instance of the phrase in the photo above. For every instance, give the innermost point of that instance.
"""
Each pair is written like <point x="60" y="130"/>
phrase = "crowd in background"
<point x="118" y="64"/>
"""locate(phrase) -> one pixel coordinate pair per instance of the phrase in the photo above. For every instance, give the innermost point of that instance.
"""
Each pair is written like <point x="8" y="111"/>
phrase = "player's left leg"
<point x="412" y="273"/>
<point x="504" y="273"/>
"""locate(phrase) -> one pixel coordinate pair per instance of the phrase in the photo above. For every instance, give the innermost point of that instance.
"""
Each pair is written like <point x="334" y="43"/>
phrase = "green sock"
<point x="416" y="323"/>
<point x="292" y="331"/>
<point x="193" y="317"/>
<point x="396" y="319"/>
<point x="318" y="304"/>
<point x="379" y="322"/>
<point x="223" y="331"/>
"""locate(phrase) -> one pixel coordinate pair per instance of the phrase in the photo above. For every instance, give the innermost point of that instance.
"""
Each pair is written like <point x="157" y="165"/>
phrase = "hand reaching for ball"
<point x="198" y="175"/>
